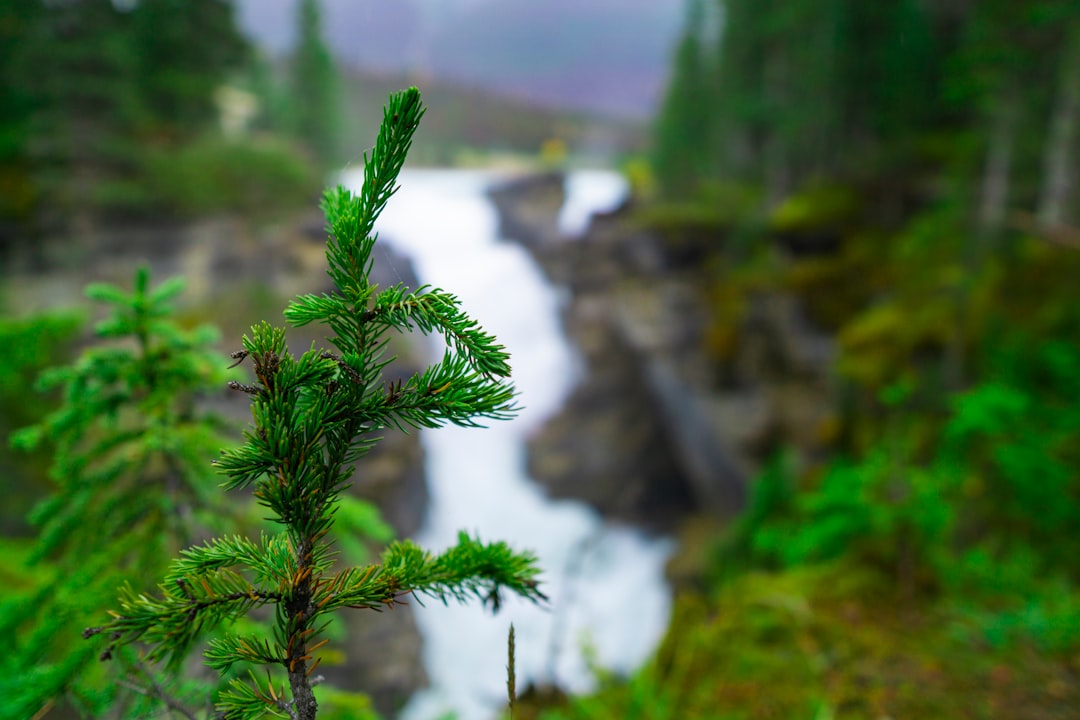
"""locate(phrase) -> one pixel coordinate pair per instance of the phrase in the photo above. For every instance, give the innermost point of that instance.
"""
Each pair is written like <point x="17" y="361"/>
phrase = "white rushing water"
<point x="608" y="598"/>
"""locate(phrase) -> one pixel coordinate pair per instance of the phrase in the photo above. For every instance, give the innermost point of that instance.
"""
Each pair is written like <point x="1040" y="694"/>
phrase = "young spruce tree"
<point x="129" y="444"/>
<point x="314" y="416"/>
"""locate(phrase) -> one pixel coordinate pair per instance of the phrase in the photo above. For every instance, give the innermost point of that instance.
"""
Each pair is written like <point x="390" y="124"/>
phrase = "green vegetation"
<point x="131" y="487"/>
<point x="101" y="85"/>
<point x="315" y="92"/>
<point x="826" y="641"/>
<point x="32" y="344"/>
<point x="313" y="418"/>
<point x="108" y="109"/>
<point x="905" y="171"/>
<point x="214" y="174"/>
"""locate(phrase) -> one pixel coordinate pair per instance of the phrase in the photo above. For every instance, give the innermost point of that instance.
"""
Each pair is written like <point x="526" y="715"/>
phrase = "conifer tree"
<point x="130" y="443"/>
<point x="19" y="100"/>
<point x="33" y="342"/>
<point x="184" y="52"/>
<point x="683" y="126"/>
<point x="314" y="87"/>
<point x="314" y="415"/>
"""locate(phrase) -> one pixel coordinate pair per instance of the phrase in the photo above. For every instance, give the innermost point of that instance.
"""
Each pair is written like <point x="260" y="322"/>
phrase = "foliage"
<point x="258" y="179"/>
<point x="18" y="103"/>
<point x="683" y="125"/>
<point x="31" y="343"/>
<point x="185" y="51"/>
<point x="827" y="641"/>
<point x="1012" y="444"/>
<point x="96" y="94"/>
<point x="313" y="416"/>
<point x="798" y="91"/>
<point x="115" y="81"/>
<point x="132" y="485"/>
<point x="315" y="88"/>
<point x="997" y="491"/>
<point x="904" y="164"/>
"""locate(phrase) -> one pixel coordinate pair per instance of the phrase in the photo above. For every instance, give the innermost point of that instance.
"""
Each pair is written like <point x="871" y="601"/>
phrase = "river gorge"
<point x="608" y="598"/>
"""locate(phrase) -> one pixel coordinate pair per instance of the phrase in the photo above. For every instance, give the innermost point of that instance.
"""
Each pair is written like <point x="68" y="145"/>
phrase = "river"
<point x="608" y="598"/>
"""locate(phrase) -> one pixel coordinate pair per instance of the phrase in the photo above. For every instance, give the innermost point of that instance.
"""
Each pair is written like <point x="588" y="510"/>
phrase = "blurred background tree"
<point x="132" y="486"/>
<point x="315" y="88"/>
<point x="97" y="92"/>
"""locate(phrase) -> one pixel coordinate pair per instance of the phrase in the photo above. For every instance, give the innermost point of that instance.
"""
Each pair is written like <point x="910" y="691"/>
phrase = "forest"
<point x="906" y="173"/>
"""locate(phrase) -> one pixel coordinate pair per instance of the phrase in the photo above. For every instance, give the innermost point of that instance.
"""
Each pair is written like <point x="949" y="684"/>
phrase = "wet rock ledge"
<point x="613" y="444"/>
<point x="657" y="430"/>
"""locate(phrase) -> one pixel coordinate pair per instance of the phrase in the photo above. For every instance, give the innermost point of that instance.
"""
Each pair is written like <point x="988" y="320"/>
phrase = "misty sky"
<point x="605" y="55"/>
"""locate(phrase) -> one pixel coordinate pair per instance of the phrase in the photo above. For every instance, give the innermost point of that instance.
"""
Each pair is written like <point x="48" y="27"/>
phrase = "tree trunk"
<point x="994" y="193"/>
<point x="993" y="202"/>
<point x="299" y="609"/>
<point x="1059" y="156"/>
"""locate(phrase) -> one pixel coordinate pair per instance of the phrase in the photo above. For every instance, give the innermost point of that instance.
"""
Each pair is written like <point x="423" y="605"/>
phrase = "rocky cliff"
<point x="662" y="427"/>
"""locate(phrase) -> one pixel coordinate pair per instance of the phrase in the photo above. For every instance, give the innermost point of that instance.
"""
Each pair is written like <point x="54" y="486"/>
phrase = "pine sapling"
<point x="129" y="443"/>
<point x="313" y="416"/>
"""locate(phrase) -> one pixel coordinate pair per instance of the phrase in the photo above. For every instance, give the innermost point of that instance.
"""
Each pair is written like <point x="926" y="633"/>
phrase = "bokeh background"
<point x="797" y="284"/>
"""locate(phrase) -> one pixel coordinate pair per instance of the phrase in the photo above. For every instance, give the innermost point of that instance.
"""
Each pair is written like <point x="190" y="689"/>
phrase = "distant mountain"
<point x="601" y="56"/>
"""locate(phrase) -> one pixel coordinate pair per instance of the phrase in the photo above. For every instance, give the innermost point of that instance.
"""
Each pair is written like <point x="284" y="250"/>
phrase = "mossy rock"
<point x="817" y="207"/>
<point x="698" y="227"/>
<point x="837" y="287"/>
<point x="815" y="221"/>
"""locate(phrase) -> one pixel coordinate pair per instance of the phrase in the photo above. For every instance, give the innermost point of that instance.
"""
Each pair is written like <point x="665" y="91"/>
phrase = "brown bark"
<point x="299" y="608"/>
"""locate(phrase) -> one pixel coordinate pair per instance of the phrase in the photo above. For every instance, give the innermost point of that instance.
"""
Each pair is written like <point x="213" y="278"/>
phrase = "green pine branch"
<point x="313" y="416"/>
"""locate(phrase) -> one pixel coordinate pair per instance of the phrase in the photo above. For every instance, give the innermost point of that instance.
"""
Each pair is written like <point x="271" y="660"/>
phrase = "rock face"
<point x="609" y="446"/>
<point x="659" y="428"/>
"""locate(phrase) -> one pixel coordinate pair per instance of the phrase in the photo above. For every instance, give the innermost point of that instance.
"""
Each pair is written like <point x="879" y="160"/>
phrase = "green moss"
<point x="837" y="287"/>
<point x="819" y="206"/>
<point x="828" y="641"/>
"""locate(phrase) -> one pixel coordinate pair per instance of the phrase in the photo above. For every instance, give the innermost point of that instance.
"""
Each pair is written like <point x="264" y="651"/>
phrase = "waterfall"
<point x="608" y="598"/>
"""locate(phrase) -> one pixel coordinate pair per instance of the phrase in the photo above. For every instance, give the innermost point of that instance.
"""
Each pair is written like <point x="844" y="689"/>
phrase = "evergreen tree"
<point x="315" y="87"/>
<point x="133" y="486"/>
<point x="32" y="343"/>
<point x="18" y="102"/>
<point x="92" y="111"/>
<point x="313" y="418"/>
<point x="185" y="51"/>
<point x="684" y="125"/>
<point x="93" y="85"/>
<point x="795" y="92"/>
